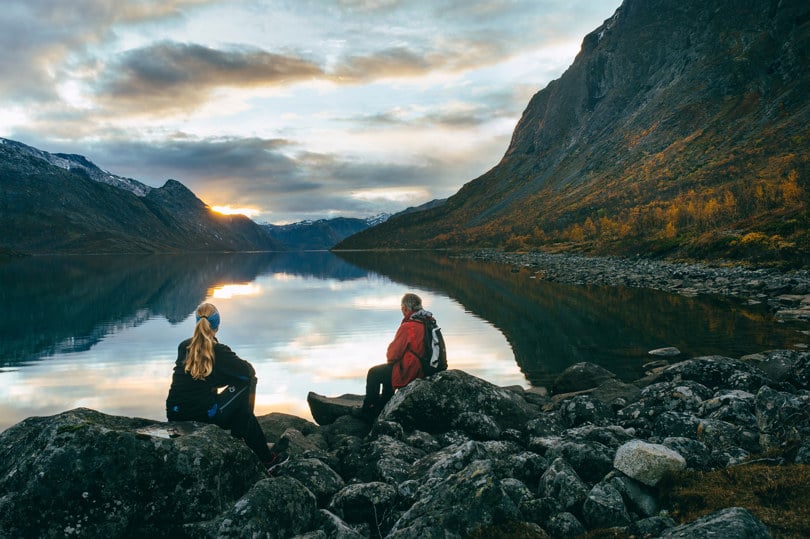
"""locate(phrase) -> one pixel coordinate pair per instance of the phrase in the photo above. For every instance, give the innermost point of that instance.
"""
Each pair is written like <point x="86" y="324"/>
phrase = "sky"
<point x="286" y="110"/>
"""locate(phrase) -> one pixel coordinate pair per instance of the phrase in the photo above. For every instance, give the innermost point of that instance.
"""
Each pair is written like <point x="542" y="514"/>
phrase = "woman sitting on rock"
<point x="203" y="367"/>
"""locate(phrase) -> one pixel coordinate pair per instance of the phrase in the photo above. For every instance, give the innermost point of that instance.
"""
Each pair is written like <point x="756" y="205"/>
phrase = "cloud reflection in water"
<point x="303" y="330"/>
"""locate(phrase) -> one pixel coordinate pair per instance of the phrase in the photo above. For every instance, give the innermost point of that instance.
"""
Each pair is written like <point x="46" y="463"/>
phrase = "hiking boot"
<point x="276" y="461"/>
<point x="282" y="445"/>
<point x="365" y="413"/>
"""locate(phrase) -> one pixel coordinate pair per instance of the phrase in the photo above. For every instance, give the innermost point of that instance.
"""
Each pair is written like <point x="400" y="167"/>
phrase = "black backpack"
<point x="435" y="359"/>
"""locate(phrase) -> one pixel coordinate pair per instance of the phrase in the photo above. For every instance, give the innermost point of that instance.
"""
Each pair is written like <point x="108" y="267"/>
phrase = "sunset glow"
<point x="229" y="210"/>
<point x="227" y="291"/>
<point x="350" y="108"/>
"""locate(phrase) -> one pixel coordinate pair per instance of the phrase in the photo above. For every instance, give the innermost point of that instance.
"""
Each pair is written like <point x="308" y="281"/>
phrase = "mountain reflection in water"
<point x="551" y="326"/>
<point x="102" y="331"/>
<point x="69" y="303"/>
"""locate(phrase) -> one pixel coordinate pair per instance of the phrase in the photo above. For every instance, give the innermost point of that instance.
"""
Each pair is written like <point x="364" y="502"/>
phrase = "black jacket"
<point x="190" y="399"/>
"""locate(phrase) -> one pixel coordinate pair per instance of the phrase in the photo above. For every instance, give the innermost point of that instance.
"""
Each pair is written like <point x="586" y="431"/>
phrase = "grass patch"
<point x="778" y="495"/>
<point x="509" y="530"/>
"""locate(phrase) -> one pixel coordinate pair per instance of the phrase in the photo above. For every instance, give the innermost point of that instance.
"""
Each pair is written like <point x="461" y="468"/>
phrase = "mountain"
<point x="322" y="234"/>
<point x="64" y="203"/>
<point x="681" y="128"/>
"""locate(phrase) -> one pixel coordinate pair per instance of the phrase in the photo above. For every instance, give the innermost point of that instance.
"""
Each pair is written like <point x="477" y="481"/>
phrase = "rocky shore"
<point x="787" y="293"/>
<point x="449" y="456"/>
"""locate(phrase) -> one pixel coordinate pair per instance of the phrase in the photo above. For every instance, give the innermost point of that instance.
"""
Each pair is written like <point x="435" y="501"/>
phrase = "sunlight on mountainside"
<point x="229" y="210"/>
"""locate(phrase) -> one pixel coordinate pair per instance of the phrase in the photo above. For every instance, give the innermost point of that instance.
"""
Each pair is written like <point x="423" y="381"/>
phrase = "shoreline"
<point x="450" y="455"/>
<point x="786" y="293"/>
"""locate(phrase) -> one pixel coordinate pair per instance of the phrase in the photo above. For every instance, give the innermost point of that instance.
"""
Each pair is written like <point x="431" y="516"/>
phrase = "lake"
<point x="102" y="331"/>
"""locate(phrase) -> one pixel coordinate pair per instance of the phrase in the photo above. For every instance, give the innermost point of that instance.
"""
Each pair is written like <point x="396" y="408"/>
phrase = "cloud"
<point x="305" y="109"/>
<point x="272" y="174"/>
<point x="169" y="76"/>
<point x="416" y="58"/>
<point x="47" y="40"/>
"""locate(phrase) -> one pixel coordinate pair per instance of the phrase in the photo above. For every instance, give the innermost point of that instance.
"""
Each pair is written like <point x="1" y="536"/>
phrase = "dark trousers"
<point x="235" y="413"/>
<point x="378" y="387"/>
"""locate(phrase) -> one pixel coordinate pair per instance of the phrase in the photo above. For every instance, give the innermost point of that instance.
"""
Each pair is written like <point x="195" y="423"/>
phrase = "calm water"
<point x="102" y="332"/>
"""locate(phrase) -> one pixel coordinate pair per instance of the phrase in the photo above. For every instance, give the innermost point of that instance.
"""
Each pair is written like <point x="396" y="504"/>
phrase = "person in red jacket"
<point x="402" y="364"/>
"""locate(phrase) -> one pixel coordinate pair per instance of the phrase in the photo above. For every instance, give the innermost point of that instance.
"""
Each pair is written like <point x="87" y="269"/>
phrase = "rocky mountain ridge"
<point x="680" y="128"/>
<point x="80" y="164"/>
<point x="322" y="234"/>
<point x="59" y="203"/>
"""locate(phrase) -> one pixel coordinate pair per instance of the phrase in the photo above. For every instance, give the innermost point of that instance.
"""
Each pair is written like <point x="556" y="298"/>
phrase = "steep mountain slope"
<point x="681" y="127"/>
<point x="61" y="207"/>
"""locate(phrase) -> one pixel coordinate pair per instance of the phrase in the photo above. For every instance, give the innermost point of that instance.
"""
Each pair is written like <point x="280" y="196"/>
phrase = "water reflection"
<point x="102" y="332"/>
<point x="63" y="304"/>
<point x="551" y="326"/>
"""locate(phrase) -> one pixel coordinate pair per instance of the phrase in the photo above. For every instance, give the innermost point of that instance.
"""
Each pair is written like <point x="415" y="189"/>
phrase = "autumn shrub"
<point x="778" y="495"/>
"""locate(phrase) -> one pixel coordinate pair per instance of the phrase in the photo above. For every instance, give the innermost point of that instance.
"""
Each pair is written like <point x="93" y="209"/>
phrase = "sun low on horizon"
<point x="346" y="109"/>
<point x="233" y="210"/>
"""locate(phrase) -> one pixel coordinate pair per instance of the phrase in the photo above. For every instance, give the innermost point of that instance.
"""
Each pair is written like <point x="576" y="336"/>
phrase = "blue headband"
<point x="212" y="318"/>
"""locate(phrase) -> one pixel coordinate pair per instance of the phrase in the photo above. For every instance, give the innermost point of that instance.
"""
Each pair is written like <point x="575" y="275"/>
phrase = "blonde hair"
<point x="200" y="358"/>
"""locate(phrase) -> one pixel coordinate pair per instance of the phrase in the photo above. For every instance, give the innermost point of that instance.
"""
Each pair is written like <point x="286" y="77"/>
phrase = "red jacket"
<point x="404" y="352"/>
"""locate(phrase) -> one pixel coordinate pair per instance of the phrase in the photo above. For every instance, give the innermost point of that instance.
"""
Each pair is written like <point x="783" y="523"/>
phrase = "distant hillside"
<point x="319" y="235"/>
<point x="682" y="128"/>
<point x="57" y="203"/>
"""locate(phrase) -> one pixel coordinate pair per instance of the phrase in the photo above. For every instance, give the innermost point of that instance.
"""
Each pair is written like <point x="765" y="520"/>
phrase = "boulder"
<point x="333" y="527"/>
<point x="731" y="522"/>
<point x="646" y="462"/>
<point x="326" y="410"/>
<point x="477" y="426"/>
<point x="718" y="434"/>
<point x="364" y="502"/>
<point x="565" y="526"/>
<point x="638" y="497"/>
<point x="590" y="460"/>
<point x="275" y="424"/>
<point x="423" y="441"/>
<point x="782" y="417"/>
<point x="791" y="366"/>
<point x="683" y="397"/>
<point x="675" y="395"/>
<point x="111" y="476"/>
<point x="650" y="527"/>
<point x="450" y="456"/>
<point x="463" y="502"/>
<point x="669" y="351"/>
<point x="611" y="436"/>
<point x="434" y="403"/>
<point x="297" y="443"/>
<point x="274" y="508"/>
<point x="696" y="454"/>
<point x="315" y="475"/>
<point x="680" y="424"/>
<point x="584" y="409"/>
<point x="581" y="376"/>
<point x="733" y="406"/>
<point x="561" y="483"/>
<point x="616" y="394"/>
<point x="717" y="372"/>
<point x="450" y="459"/>
<point x="517" y="490"/>
<point x="526" y="466"/>
<point x="604" y="507"/>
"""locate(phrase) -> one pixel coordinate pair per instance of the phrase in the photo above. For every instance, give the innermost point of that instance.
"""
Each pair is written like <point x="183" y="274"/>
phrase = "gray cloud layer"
<point x="48" y="45"/>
